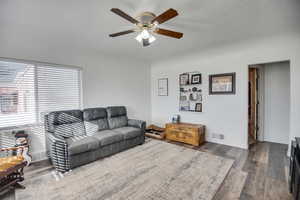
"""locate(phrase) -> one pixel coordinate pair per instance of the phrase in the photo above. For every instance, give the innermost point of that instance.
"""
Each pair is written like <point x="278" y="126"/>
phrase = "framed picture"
<point x="222" y="84"/>
<point x="196" y="79"/>
<point x="163" y="87"/>
<point x="198" y="107"/>
<point x="183" y="98"/>
<point x="184" y="79"/>
<point x="184" y="106"/>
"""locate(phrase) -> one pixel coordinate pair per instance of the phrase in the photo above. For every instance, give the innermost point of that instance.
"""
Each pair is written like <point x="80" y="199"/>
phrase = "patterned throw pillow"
<point x="70" y="130"/>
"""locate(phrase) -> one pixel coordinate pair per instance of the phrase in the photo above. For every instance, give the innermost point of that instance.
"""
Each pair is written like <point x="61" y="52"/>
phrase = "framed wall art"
<point x="196" y="79"/>
<point x="184" y="79"/>
<point x="163" y="87"/>
<point x="222" y="83"/>
<point x="198" y="107"/>
<point x="190" y="92"/>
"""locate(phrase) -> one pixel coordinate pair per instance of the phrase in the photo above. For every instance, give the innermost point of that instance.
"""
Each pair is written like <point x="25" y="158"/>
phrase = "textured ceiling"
<point x="84" y="25"/>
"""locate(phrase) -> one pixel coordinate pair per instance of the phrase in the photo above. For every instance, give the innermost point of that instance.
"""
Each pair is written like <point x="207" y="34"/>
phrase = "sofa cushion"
<point x="92" y="127"/>
<point x="81" y="144"/>
<point x="117" y="117"/>
<point x="129" y="132"/>
<point x="95" y="119"/>
<point x="117" y="122"/>
<point x="116" y="111"/>
<point x="91" y="114"/>
<point x="107" y="137"/>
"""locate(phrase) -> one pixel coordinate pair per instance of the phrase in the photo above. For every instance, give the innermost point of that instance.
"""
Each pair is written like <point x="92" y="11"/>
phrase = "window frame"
<point x="37" y="64"/>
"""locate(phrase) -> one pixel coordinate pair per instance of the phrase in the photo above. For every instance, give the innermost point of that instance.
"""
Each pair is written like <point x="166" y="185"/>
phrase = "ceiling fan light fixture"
<point x="147" y="24"/>
<point x="145" y="35"/>
<point x="152" y="39"/>
<point x="139" y="38"/>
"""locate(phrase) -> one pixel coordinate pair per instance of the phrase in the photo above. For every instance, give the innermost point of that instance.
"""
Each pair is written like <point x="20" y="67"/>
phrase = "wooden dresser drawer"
<point x="183" y="129"/>
<point x="182" y="134"/>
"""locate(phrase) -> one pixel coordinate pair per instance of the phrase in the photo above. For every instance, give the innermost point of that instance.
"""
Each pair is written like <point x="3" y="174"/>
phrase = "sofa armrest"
<point x="57" y="149"/>
<point x="137" y="124"/>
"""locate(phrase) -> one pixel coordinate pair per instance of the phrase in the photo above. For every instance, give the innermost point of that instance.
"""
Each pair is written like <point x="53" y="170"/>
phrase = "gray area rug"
<point x="155" y="170"/>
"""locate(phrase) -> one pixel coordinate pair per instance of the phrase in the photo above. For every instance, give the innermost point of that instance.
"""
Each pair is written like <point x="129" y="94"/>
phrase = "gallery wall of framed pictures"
<point x="190" y="94"/>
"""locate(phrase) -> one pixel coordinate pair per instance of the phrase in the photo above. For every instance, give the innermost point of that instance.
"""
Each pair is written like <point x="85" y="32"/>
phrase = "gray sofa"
<point x="75" y="137"/>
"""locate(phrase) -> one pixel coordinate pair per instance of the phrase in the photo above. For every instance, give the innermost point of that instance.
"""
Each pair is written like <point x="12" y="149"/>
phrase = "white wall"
<point x="226" y="114"/>
<point x="107" y="81"/>
<point x="277" y="102"/>
<point x="114" y="82"/>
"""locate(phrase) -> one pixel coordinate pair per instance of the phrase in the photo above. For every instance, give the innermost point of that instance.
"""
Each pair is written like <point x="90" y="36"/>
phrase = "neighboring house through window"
<point x="8" y="100"/>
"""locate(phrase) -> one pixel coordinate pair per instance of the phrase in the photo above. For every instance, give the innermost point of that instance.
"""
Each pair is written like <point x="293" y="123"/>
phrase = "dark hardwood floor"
<point x="260" y="173"/>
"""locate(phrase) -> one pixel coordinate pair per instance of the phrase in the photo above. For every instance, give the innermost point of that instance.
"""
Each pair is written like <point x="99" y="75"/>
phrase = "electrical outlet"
<point x="218" y="136"/>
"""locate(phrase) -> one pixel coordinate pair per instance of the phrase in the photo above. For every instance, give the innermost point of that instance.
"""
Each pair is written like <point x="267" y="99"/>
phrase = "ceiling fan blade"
<point x="124" y="15"/>
<point x="121" y="33"/>
<point x="169" y="14"/>
<point x="168" y="33"/>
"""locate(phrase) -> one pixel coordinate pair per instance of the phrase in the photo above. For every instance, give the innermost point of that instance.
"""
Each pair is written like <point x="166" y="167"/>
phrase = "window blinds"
<point x="29" y="91"/>
<point x="58" y="89"/>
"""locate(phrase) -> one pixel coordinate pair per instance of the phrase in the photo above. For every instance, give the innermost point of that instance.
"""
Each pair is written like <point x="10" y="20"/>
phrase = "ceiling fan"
<point x="147" y="24"/>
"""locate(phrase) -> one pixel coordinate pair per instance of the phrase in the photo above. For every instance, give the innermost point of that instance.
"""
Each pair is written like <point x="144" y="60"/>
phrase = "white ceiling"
<point x="84" y="25"/>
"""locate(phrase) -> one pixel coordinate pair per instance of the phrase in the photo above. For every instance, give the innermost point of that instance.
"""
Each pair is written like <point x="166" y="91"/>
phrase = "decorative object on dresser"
<point x="222" y="83"/>
<point x="163" y="87"/>
<point x="155" y="132"/>
<point x="176" y="119"/>
<point x="190" y="93"/>
<point x="193" y="134"/>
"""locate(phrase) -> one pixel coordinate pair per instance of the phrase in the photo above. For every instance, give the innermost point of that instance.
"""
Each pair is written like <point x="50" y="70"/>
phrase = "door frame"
<point x="253" y="105"/>
<point x="260" y="97"/>
<point x="260" y="65"/>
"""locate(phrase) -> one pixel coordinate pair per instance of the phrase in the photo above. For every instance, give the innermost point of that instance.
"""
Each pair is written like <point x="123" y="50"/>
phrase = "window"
<point x="58" y="89"/>
<point x="29" y="91"/>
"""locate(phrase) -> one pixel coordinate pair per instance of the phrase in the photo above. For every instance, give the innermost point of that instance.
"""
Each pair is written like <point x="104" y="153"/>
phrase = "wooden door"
<point x="253" y="105"/>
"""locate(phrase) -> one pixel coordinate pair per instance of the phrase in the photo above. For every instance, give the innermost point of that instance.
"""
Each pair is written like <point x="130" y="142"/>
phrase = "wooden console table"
<point x="193" y="134"/>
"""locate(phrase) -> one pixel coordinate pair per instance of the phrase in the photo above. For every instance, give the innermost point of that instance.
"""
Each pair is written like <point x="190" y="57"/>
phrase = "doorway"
<point x="269" y="103"/>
